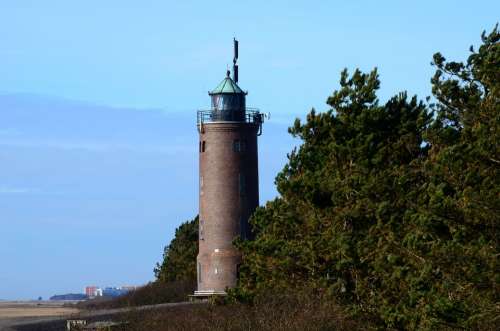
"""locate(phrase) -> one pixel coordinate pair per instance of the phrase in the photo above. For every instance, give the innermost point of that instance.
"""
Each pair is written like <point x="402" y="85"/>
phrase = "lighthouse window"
<point x="202" y="237"/>
<point x="199" y="273"/>
<point x="203" y="146"/>
<point x="239" y="145"/>
<point x="242" y="182"/>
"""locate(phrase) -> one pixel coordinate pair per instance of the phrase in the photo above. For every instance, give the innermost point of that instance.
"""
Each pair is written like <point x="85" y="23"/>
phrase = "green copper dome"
<point x="227" y="86"/>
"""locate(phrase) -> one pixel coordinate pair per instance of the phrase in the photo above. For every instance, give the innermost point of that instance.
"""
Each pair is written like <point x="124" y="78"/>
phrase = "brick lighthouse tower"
<point x="229" y="184"/>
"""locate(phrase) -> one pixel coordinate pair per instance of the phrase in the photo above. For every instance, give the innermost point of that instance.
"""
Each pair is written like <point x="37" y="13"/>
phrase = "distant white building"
<point x="93" y="291"/>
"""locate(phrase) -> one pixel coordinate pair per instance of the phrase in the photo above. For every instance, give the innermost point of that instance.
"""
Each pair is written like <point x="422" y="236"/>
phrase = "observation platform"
<point x="246" y="115"/>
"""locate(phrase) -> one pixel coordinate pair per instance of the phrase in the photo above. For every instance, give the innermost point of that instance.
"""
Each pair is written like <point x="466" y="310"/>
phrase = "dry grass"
<point x="272" y="313"/>
<point x="294" y="311"/>
<point x="33" y="309"/>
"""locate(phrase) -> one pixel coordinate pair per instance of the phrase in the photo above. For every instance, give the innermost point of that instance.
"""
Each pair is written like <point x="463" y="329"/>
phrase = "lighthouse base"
<point x="205" y="295"/>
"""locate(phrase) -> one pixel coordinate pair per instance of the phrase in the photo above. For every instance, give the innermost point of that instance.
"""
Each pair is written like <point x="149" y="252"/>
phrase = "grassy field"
<point x="16" y="312"/>
<point x="19" y="309"/>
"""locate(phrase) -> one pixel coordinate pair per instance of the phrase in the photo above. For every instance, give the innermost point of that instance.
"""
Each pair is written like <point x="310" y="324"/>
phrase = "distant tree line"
<point x="392" y="209"/>
<point x="69" y="296"/>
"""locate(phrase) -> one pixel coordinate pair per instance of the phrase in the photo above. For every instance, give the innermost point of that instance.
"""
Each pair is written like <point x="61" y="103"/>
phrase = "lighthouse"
<point x="228" y="182"/>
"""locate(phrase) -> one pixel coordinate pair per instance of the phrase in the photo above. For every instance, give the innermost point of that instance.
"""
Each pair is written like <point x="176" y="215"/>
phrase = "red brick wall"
<point x="224" y="207"/>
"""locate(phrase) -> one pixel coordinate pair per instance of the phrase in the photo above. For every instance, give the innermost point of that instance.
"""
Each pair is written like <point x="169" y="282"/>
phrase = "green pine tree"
<point x="179" y="257"/>
<point x="345" y="193"/>
<point x="390" y="208"/>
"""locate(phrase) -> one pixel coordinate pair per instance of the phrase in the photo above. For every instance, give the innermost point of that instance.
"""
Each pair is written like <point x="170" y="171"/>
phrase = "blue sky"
<point x="98" y="161"/>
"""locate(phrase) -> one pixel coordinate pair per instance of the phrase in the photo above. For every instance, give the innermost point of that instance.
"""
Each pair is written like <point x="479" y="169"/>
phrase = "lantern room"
<point x="228" y="101"/>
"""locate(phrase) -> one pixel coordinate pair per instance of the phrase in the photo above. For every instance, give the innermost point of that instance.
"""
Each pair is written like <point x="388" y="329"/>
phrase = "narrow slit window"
<point x="242" y="184"/>
<point x="202" y="223"/>
<point x="239" y="145"/>
<point x="203" y="146"/>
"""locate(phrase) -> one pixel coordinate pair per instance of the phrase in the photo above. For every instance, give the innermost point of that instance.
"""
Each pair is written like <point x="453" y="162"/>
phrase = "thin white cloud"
<point x="18" y="190"/>
<point x="100" y="146"/>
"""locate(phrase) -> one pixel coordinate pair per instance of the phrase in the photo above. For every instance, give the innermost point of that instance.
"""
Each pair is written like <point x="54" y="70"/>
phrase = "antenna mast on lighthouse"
<point x="235" y="59"/>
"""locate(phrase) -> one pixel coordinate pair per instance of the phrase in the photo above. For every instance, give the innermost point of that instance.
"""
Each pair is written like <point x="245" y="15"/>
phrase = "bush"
<point x="277" y="311"/>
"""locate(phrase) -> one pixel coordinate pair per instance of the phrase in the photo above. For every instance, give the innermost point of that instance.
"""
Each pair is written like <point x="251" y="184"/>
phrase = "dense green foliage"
<point x="392" y="208"/>
<point x="179" y="257"/>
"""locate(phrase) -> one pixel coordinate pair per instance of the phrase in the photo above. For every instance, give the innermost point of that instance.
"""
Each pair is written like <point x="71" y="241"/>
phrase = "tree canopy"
<point x="179" y="257"/>
<point x="392" y="208"/>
